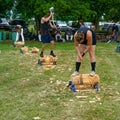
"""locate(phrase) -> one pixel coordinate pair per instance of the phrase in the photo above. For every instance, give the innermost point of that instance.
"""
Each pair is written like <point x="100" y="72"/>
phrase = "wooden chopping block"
<point x="85" y="79"/>
<point x="24" y="49"/>
<point x="18" y="44"/>
<point x="48" y="59"/>
<point x="35" y="50"/>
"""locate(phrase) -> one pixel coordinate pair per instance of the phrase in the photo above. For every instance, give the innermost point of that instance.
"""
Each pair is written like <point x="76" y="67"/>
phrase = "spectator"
<point x="69" y="34"/>
<point x="115" y="31"/>
<point x="58" y="35"/>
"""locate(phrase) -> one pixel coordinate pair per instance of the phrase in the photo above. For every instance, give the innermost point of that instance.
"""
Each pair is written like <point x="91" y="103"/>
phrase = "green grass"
<point x="28" y="92"/>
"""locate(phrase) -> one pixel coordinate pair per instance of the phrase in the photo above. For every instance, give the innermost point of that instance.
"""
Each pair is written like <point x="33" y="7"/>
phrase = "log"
<point x="18" y="44"/>
<point x="85" y="79"/>
<point x="48" y="62"/>
<point x="82" y="81"/>
<point x="35" y="50"/>
<point x="48" y="59"/>
<point x="24" y="50"/>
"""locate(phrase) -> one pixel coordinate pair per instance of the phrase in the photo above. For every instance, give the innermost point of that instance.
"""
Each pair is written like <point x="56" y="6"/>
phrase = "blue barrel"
<point x="4" y="35"/>
<point x="0" y="36"/>
<point x="10" y="36"/>
<point x="14" y="36"/>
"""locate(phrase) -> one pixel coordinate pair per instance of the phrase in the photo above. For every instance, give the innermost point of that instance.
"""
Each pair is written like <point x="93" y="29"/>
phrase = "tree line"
<point x="89" y="10"/>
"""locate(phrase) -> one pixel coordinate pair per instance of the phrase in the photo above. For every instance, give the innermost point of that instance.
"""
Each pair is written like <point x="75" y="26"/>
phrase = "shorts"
<point x="46" y="38"/>
<point x="86" y="43"/>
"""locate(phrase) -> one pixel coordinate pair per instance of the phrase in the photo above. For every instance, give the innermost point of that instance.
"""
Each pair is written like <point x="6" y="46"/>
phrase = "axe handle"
<point x="81" y="80"/>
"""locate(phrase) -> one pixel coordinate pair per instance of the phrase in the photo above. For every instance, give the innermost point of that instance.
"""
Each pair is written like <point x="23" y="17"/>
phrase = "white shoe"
<point x="75" y="73"/>
<point x="92" y="73"/>
<point x="109" y="41"/>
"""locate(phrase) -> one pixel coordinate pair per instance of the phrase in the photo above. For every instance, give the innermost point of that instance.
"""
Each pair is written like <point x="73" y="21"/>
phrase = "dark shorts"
<point x="46" y="38"/>
<point x="93" y="42"/>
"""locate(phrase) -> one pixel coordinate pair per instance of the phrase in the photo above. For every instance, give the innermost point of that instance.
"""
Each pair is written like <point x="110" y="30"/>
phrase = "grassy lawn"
<point x="29" y="92"/>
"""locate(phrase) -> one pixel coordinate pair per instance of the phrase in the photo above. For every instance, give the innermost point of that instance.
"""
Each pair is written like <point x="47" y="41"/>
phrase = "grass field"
<point x="29" y="92"/>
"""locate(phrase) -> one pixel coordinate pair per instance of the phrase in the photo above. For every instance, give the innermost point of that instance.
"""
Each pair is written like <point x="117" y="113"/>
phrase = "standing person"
<point x="81" y="22"/>
<point x="19" y="31"/>
<point x="45" y="33"/>
<point x="115" y="32"/>
<point x="85" y="41"/>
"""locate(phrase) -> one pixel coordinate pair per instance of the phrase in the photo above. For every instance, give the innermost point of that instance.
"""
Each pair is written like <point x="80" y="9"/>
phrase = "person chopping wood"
<point x="85" y="41"/>
<point x="45" y="34"/>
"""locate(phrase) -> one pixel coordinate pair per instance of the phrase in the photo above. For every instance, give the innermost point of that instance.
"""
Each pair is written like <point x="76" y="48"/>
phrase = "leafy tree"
<point x="89" y="10"/>
<point x="72" y="10"/>
<point x="6" y="6"/>
<point x="113" y="13"/>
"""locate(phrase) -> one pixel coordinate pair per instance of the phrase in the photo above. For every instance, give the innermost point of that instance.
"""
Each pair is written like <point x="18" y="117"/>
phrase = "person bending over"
<point x="19" y="31"/>
<point x="85" y="41"/>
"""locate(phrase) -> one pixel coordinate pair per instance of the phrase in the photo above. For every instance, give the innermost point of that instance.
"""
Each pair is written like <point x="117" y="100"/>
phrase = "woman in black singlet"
<point x="85" y="41"/>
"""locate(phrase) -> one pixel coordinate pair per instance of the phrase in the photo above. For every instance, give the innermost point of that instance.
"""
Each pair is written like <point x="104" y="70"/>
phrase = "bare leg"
<point x="78" y="60"/>
<point x="17" y="36"/>
<point x="42" y="50"/>
<point x="51" y="45"/>
<point x="81" y="49"/>
<point x="22" y="35"/>
<point x="92" y="59"/>
<point x="92" y="53"/>
<point x="51" y="48"/>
